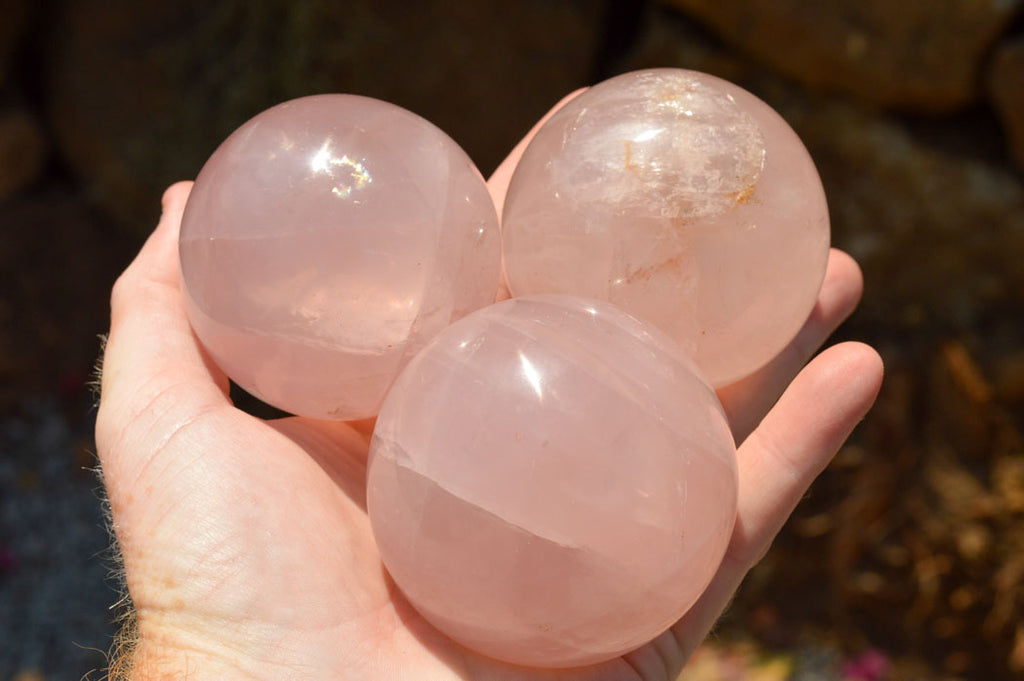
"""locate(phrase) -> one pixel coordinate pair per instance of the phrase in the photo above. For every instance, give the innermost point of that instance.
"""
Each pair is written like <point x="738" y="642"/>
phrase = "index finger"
<point x="153" y="370"/>
<point x="497" y="183"/>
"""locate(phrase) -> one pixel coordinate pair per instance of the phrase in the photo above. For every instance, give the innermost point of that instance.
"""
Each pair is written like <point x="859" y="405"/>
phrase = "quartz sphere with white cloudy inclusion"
<point x="325" y="242"/>
<point x="551" y="482"/>
<point x="683" y="199"/>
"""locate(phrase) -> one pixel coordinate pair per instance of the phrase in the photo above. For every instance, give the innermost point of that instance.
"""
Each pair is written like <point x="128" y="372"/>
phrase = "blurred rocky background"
<point x="905" y="562"/>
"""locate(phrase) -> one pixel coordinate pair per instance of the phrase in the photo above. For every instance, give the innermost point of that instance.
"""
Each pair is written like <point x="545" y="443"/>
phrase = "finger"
<point x="779" y="461"/>
<point x="153" y="370"/>
<point x="502" y="176"/>
<point x="499" y="181"/>
<point x="748" y="400"/>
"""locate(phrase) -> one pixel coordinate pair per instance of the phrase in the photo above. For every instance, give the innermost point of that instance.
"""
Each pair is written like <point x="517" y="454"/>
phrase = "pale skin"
<point x="247" y="549"/>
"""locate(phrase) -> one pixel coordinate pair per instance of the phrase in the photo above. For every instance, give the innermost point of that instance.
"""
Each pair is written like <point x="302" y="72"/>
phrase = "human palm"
<point x="246" y="544"/>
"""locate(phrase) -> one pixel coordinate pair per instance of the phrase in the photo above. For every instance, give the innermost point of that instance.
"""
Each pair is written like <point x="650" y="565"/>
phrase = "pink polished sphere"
<point x="325" y="241"/>
<point x="683" y="199"/>
<point x="551" y="483"/>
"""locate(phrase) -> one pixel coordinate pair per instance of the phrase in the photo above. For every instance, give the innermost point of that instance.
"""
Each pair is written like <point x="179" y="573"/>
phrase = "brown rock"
<point x="23" y="150"/>
<point x="1006" y="84"/>
<point x="141" y="93"/>
<point x="940" y="236"/>
<point x="921" y="55"/>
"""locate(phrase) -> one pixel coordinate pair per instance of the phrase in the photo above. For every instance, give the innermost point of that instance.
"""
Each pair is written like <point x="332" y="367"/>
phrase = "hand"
<point x="247" y="549"/>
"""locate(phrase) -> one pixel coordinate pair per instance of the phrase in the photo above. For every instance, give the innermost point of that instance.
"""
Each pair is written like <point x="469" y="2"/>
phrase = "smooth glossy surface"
<point x="683" y="199"/>
<point x="325" y="242"/>
<point x="551" y="483"/>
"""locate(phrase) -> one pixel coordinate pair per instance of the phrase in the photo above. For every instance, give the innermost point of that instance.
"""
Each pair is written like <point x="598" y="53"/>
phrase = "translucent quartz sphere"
<point x="681" y="198"/>
<point x="551" y="483"/>
<point x="325" y="241"/>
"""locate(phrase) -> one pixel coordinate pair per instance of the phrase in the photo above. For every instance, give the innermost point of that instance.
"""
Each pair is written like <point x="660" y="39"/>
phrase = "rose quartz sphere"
<point x="551" y="483"/>
<point x="683" y="199"/>
<point x="325" y="242"/>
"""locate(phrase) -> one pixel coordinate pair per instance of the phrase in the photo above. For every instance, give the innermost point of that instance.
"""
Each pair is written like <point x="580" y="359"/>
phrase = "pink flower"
<point x="872" y="665"/>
